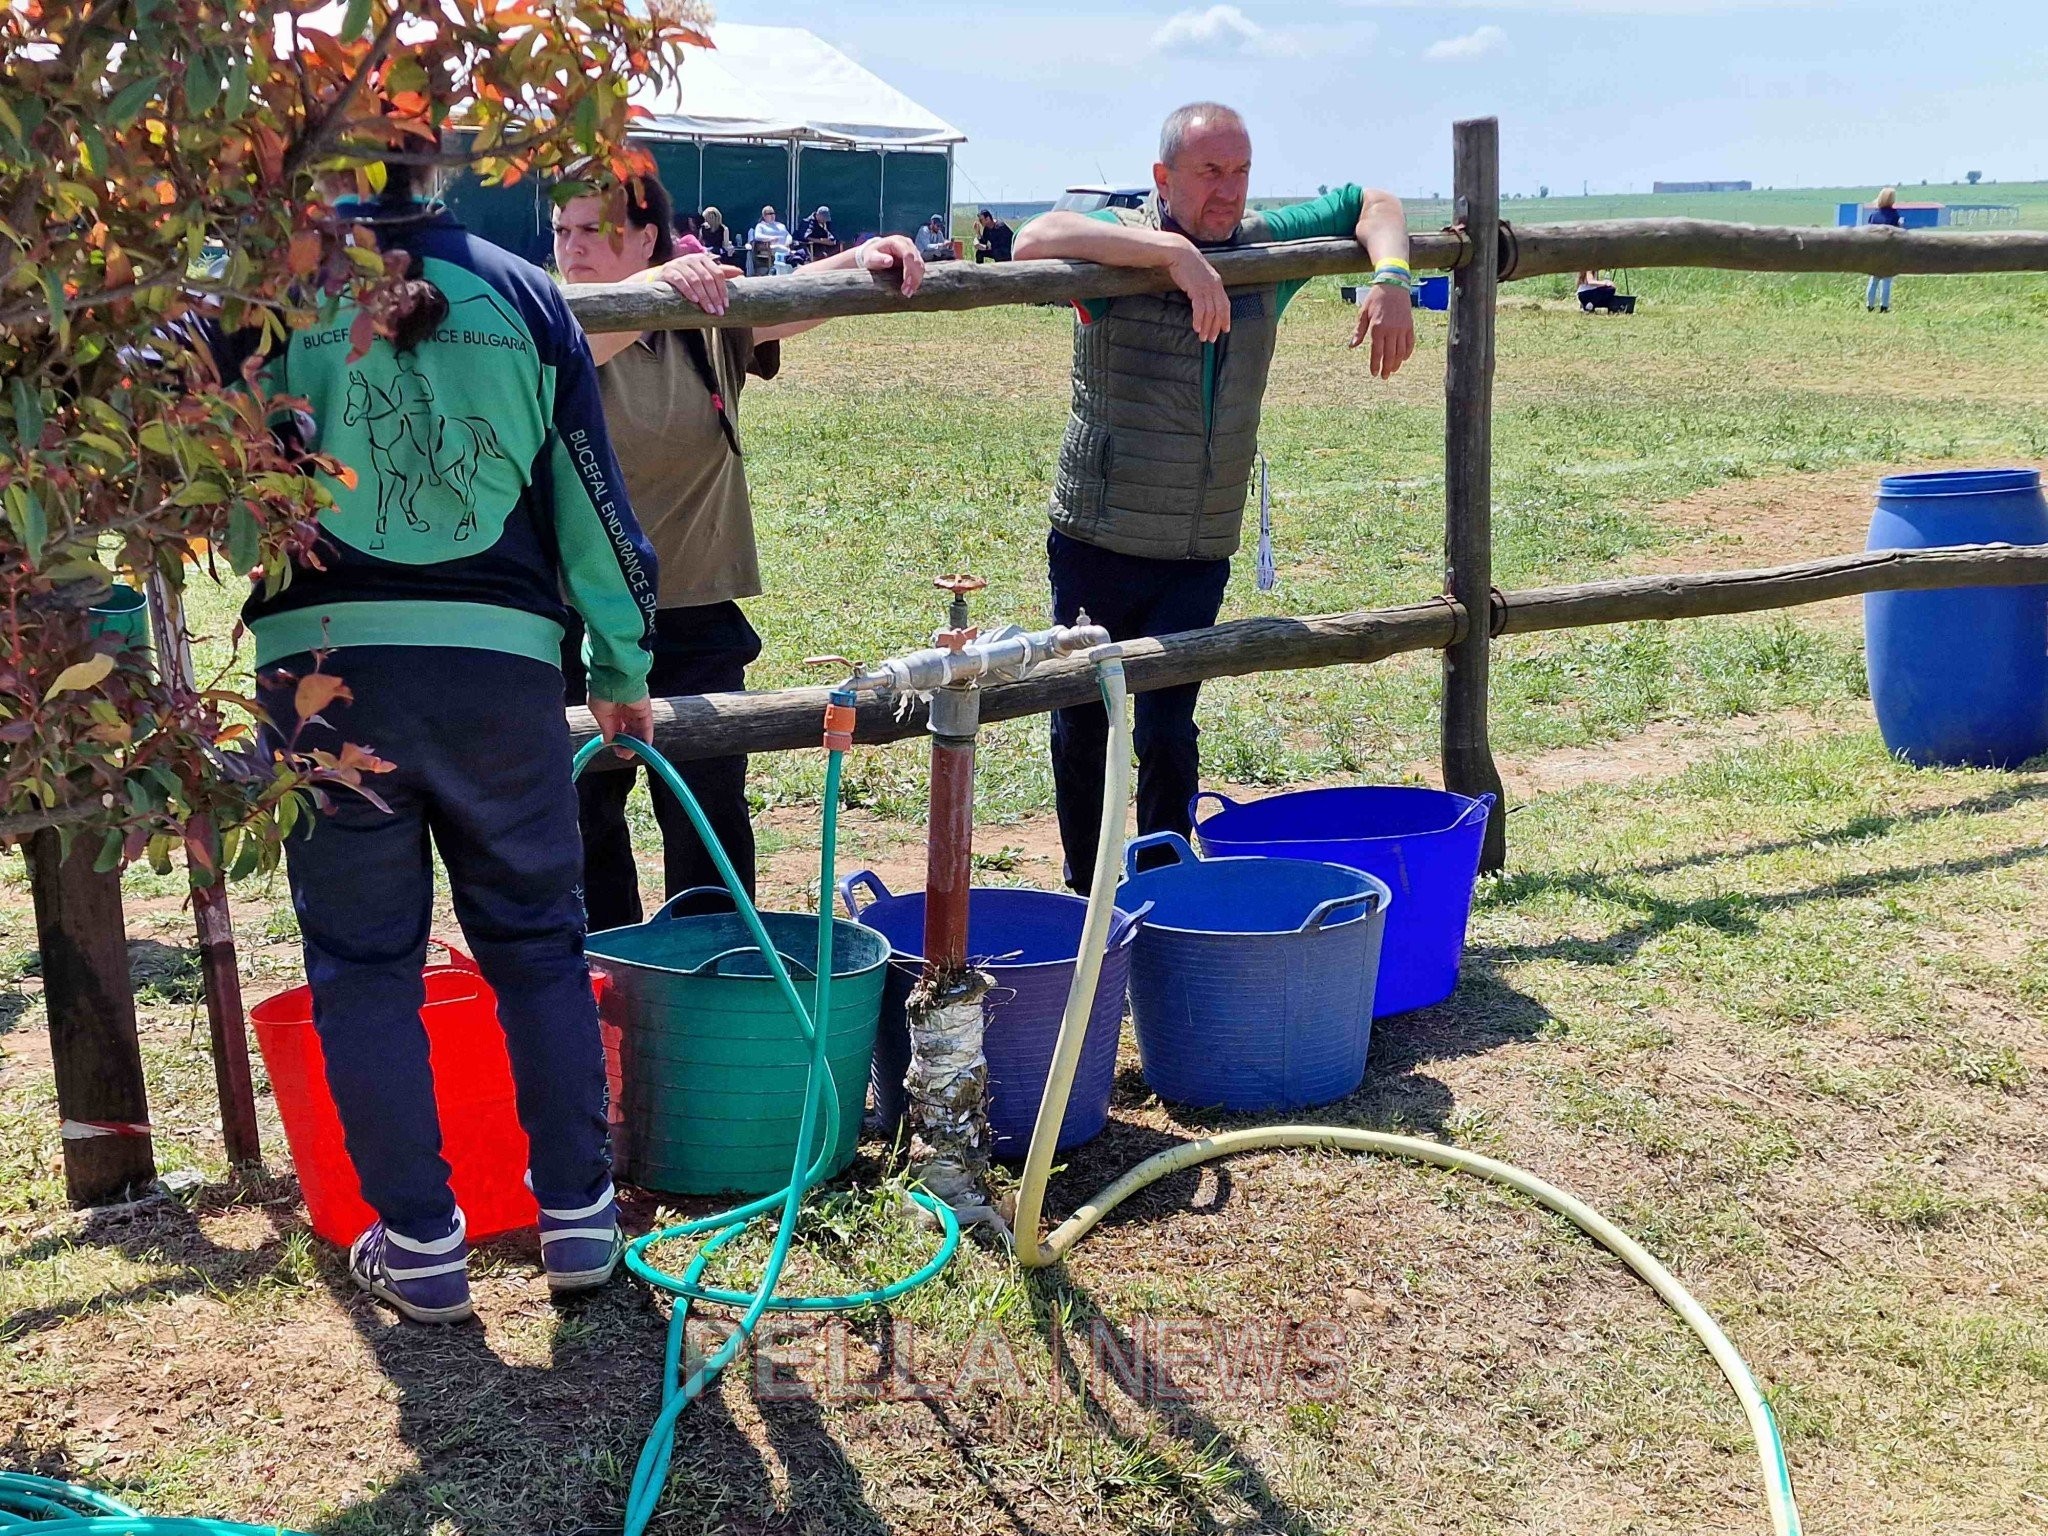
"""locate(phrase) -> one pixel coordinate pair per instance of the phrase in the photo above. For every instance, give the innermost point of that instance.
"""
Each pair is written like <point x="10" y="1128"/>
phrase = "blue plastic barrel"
<point x="1027" y="942"/>
<point x="1252" y="979"/>
<point x="1423" y="844"/>
<point x="1959" y="677"/>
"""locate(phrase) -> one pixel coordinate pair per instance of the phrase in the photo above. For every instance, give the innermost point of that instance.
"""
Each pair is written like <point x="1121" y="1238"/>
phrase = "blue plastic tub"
<point x="1252" y="979"/>
<point x="1960" y="676"/>
<point x="1423" y="844"/>
<point x="1028" y="942"/>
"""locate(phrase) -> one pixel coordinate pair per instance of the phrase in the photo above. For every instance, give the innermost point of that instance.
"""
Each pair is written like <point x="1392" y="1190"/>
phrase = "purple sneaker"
<point x="427" y="1282"/>
<point x="581" y="1249"/>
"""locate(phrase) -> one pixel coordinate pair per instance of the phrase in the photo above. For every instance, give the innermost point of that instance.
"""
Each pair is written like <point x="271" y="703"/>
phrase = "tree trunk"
<point x="101" y="1099"/>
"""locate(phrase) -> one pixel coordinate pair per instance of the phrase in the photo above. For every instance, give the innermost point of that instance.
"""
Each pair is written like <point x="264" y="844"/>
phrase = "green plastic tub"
<point x="707" y="1064"/>
<point x="124" y="611"/>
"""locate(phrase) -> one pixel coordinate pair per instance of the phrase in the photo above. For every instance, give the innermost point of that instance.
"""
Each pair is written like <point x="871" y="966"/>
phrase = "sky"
<point x="1605" y="94"/>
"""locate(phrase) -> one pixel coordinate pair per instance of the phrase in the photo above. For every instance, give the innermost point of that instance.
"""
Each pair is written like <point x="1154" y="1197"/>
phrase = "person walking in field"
<point x="671" y="399"/>
<point x="1148" y="498"/>
<point x="434" y="640"/>
<point x="1877" y="293"/>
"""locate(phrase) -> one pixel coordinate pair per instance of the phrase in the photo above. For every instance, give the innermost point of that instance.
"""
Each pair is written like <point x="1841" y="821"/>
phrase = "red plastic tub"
<point x="480" y="1133"/>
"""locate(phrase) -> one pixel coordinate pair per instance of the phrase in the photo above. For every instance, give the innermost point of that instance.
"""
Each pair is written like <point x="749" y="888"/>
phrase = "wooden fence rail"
<point x="787" y="719"/>
<point x="1526" y="250"/>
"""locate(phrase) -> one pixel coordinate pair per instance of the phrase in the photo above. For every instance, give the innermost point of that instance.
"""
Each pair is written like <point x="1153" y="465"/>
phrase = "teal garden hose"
<point x="47" y="1507"/>
<point x="678" y="1391"/>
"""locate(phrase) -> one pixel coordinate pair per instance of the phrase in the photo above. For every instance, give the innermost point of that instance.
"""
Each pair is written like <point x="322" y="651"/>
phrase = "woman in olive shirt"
<point x="671" y="403"/>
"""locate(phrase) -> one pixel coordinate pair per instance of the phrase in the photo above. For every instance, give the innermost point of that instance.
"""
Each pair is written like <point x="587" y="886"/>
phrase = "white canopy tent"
<point x="787" y="83"/>
<point x="769" y="115"/>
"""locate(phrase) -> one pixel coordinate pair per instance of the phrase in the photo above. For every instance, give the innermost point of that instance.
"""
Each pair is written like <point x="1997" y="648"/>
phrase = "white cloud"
<point x="1220" y="32"/>
<point x="1476" y="44"/>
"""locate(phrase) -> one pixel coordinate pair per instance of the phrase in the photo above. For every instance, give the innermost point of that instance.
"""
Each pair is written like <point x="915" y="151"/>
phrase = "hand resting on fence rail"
<point x="721" y="724"/>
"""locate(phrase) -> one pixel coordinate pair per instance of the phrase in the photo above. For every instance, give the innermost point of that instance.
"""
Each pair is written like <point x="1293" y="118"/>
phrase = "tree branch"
<point x="12" y="827"/>
<point x="316" y="140"/>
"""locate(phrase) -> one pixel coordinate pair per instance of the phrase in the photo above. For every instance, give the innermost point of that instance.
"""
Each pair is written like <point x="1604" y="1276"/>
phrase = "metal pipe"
<point x="949" y="855"/>
<point x="999" y="656"/>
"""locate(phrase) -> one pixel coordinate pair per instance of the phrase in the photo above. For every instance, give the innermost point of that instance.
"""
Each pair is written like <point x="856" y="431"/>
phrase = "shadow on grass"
<point x="1397" y="1095"/>
<point x="1174" y="1406"/>
<point x="549" y="1449"/>
<point x="1858" y="830"/>
<point x="1738" y="914"/>
<point x="165" y="1232"/>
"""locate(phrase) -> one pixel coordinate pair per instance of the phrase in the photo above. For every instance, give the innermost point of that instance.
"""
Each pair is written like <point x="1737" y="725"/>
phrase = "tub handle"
<point x="1321" y="915"/>
<point x="710" y="967"/>
<point x="1125" y="926"/>
<point x="1195" y="803"/>
<point x="1482" y="807"/>
<point x="862" y="880"/>
<point x="1183" y="854"/>
<point x="698" y="900"/>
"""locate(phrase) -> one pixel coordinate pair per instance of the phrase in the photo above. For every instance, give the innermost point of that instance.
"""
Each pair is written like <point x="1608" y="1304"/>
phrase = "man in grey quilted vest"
<point x="1148" y="500"/>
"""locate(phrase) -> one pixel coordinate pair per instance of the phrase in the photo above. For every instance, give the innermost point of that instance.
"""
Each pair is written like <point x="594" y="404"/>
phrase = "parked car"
<point x="1088" y="199"/>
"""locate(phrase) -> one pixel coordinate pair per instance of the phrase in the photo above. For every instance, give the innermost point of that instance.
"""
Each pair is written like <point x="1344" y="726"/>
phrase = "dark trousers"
<point x="696" y="650"/>
<point x="1130" y="597"/>
<point x="482" y="755"/>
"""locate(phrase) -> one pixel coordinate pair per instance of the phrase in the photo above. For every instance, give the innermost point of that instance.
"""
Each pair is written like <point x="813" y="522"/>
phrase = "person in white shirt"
<point x="771" y="230"/>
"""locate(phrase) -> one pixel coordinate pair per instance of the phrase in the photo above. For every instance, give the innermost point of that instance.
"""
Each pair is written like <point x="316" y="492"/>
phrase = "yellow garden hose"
<point x="1763" y="1425"/>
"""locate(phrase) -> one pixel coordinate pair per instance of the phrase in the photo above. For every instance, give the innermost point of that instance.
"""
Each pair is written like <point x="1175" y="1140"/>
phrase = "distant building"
<point x="1700" y="186"/>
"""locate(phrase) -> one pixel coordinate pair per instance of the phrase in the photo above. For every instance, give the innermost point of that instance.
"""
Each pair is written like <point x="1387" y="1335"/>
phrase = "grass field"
<point x="1772" y="1001"/>
<point x="1775" y="205"/>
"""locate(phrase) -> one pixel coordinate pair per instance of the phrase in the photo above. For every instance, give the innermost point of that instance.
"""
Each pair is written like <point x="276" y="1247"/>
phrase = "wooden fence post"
<point x="1468" y="475"/>
<point x="101" y="1098"/>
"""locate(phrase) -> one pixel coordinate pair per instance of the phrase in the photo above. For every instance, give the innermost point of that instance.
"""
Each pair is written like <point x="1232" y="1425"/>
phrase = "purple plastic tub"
<point x="1029" y="942"/>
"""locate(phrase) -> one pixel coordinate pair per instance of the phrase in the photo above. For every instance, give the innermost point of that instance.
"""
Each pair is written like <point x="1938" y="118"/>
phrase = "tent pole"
<point x="882" y="196"/>
<point x="700" y="176"/>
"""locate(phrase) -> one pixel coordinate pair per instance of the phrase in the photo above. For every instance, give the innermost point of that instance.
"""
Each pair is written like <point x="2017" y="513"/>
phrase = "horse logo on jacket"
<point x="413" y="446"/>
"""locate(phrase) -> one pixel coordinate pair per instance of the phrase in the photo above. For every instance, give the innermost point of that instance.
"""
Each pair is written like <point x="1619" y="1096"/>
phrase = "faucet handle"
<point x="959" y="585"/>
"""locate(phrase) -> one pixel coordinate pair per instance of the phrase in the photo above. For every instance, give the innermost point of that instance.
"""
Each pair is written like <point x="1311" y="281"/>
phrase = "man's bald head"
<point x="1204" y="170"/>
<point x="1190" y="121"/>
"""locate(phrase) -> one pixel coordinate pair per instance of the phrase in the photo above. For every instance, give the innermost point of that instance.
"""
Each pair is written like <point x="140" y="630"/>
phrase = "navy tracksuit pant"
<point x="482" y="776"/>
<point x="1130" y="596"/>
<point x="703" y="649"/>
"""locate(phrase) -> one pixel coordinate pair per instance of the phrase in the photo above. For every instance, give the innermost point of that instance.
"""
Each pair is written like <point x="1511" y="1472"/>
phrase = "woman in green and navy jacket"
<point x="485" y="504"/>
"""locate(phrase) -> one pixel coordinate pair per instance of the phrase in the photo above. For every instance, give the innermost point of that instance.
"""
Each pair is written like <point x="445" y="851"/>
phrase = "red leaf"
<point x="353" y="756"/>
<point x="361" y="331"/>
<point x="316" y="691"/>
<point x="304" y="255"/>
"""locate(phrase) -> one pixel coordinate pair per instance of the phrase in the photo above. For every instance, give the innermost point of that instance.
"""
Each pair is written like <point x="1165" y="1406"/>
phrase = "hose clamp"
<point x="1461" y="622"/>
<point x="1463" y="257"/>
